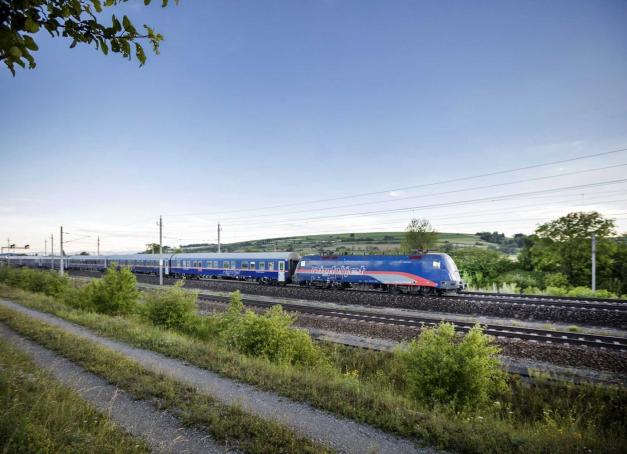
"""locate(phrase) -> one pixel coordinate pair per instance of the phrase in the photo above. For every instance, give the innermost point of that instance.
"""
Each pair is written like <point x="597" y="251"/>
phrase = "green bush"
<point x="555" y="280"/>
<point x="439" y="369"/>
<point x="115" y="294"/>
<point x="173" y="308"/>
<point x="48" y="282"/>
<point x="269" y="335"/>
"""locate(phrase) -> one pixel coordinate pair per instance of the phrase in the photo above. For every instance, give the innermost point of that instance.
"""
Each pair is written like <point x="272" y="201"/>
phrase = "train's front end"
<point x="450" y="279"/>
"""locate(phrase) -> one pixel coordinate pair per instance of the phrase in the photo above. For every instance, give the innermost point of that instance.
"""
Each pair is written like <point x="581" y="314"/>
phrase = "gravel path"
<point x="341" y="434"/>
<point x="162" y="431"/>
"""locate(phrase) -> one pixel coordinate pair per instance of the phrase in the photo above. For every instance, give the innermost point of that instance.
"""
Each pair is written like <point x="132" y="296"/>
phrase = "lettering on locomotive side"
<point x="335" y="270"/>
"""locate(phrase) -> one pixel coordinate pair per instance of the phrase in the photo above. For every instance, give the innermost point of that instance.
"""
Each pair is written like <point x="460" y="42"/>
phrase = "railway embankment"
<point x="547" y="312"/>
<point x="614" y="361"/>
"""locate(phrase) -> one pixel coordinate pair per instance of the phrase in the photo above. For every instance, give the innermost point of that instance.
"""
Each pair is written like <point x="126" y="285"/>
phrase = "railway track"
<point x="315" y="293"/>
<point x="532" y="334"/>
<point x="540" y="300"/>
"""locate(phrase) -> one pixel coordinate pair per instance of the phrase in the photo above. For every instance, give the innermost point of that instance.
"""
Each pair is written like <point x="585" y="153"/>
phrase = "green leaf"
<point x="30" y="43"/>
<point x="116" y="24"/>
<point x="97" y="5"/>
<point x="147" y="2"/>
<point x="139" y="53"/>
<point x="31" y="26"/>
<point x="15" y="52"/>
<point x="128" y="26"/>
<point x="103" y="46"/>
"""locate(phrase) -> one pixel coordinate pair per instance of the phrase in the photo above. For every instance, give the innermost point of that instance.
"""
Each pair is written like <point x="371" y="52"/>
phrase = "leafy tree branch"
<point x="78" y="20"/>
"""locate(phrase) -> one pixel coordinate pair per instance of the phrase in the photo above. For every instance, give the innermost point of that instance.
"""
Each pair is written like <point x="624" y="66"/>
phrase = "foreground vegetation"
<point x="228" y="424"/>
<point x="475" y="409"/>
<point x="39" y="414"/>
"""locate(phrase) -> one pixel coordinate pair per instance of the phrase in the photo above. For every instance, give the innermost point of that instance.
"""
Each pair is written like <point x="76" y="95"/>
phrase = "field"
<point x="358" y="243"/>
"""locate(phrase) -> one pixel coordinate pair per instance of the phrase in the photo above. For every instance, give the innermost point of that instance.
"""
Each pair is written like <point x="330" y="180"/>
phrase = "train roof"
<point x="374" y="257"/>
<point x="122" y="257"/>
<point x="239" y="255"/>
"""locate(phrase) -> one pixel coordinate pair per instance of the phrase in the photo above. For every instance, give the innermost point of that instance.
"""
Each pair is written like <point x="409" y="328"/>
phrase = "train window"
<point x="225" y="265"/>
<point x="244" y="265"/>
<point x="262" y="265"/>
<point x="252" y="265"/>
<point x="436" y="264"/>
<point x="281" y="265"/>
<point x="270" y="266"/>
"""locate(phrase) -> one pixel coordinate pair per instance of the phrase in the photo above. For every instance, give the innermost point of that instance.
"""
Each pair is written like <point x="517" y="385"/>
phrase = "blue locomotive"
<point x="427" y="273"/>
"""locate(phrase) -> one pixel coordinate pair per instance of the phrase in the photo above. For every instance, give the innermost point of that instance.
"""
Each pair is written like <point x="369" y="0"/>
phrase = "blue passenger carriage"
<point x="267" y="267"/>
<point x="140" y="263"/>
<point x="432" y="272"/>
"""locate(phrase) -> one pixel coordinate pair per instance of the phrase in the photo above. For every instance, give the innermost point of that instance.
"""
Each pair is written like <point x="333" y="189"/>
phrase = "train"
<point x="428" y="273"/>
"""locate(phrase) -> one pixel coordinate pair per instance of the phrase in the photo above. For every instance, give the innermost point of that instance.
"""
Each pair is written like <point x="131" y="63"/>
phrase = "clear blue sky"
<point x="262" y="103"/>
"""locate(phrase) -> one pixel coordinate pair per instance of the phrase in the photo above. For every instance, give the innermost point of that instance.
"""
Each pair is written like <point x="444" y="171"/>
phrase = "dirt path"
<point x="341" y="434"/>
<point x="162" y="431"/>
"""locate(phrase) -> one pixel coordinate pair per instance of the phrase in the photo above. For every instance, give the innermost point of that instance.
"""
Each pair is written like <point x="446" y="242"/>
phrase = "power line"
<point x="453" y="191"/>
<point x="454" y="203"/>
<point x="404" y="188"/>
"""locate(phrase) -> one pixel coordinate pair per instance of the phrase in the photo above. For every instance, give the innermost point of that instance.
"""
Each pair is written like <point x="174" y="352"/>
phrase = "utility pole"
<point x="594" y="262"/>
<point x="219" y="229"/>
<point x="98" y="249"/>
<point x="61" y="253"/>
<point x="52" y="251"/>
<point x="160" y="251"/>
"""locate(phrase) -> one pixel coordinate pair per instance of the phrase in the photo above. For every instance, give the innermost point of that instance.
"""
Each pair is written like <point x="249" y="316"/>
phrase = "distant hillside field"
<point x="357" y="243"/>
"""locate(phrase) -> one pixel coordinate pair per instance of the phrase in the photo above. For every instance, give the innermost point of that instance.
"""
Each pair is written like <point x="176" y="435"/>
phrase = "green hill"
<point x="337" y="243"/>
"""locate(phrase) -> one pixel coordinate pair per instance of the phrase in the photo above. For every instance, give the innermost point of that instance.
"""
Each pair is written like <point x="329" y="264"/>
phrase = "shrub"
<point x="115" y="294"/>
<point x="555" y="280"/>
<point x="440" y="370"/>
<point x="270" y="334"/>
<point x="586" y="292"/>
<point x="48" y="282"/>
<point x="173" y="308"/>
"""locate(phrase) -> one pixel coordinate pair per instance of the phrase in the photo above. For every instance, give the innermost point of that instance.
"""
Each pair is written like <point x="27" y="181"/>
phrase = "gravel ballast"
<point x="161" y="430"/>
<point x="466" y="306"/>
<point x="341" y="434"/>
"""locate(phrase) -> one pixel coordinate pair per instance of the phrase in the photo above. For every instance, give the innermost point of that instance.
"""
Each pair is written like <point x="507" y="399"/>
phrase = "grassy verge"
<point x="365" y="386"/>
<point x="228" y="424"/>
<point x="39" y="414"/>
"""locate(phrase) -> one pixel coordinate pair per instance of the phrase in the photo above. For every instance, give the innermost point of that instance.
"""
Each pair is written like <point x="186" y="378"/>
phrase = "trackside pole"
<point x="61" y="255"/>
<point x="160" y="251"/>
<point x="594" y="262"/>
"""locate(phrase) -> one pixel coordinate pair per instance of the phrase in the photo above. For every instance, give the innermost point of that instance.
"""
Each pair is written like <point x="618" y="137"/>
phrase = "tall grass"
<point x="38" y="414"/>
<point x="226" y="423"/>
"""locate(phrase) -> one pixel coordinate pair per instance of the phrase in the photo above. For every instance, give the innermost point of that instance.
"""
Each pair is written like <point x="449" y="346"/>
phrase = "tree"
<point x="419" y="235"/>
<point x="74" y="19"/>
<point x="481" y="267"/>
<point x="564" y="245"/>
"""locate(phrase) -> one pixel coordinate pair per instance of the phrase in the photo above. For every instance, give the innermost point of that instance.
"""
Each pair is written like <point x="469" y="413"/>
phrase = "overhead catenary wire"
<point x="452" y="191"/>
<point x="405" y="188"/>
